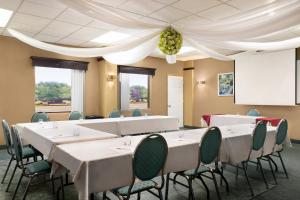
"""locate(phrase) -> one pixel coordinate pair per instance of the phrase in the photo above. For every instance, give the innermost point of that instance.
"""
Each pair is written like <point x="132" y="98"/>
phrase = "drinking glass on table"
<point x="181" y="135"/>
<point x="76" y="132"/>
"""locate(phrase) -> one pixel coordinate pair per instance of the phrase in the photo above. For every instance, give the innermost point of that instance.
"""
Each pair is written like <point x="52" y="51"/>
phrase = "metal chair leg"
<point x="62" y="187"/>
<point x="262" y="173"/>
<point x="167" y="186"/>
<point x="174" y="179"/>
<point x="27" y="187"/>
<point x="104" y="197"/>
<point x="191" y="191"/>
<point x="247" y="178"/>
<point x="205" y="186"/>
<point x="216" y="185"/>
<point x="11" y="178"/>
<point x="237" y="174"/>
<point x="274" y="163"/>
<point x="283" y="166"/>
<point x="16" y="190"/>
<point x="272" y="170"/>
<point x="139" y="196"/>
<point x="7" y="168"/>
<point x="221" y="173"/>
<point x="160" y="195"/>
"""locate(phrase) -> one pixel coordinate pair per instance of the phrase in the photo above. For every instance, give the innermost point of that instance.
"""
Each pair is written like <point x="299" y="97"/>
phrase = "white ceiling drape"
<point x="232" y="33"/>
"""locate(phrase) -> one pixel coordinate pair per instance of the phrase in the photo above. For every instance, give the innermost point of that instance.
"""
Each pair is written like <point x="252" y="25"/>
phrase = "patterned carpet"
<point x="287" y="189"/>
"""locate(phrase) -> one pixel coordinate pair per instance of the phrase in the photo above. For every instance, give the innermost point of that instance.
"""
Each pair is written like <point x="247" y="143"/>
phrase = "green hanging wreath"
<point x="170" y="41"/>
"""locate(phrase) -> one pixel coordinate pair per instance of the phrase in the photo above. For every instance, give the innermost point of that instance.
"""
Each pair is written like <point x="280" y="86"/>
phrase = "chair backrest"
<point x="40" y="116"/>
<point x="17" y="145"/>
<point x="210" y="145"/>
<point x="115" y="114"/>
<point x="75" y="115"/>
<point x="259" y="136"/>
<point x="150" y="157"/>
<point x="253" y="112"/>
<point x="281" y="131"/>
<point x="136" y="113"/>
<point x="7" y="137"/>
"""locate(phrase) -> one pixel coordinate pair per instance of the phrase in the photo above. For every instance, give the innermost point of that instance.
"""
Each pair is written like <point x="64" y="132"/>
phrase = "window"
<point x="53" y="89"/>
<point x="134" y="90"/>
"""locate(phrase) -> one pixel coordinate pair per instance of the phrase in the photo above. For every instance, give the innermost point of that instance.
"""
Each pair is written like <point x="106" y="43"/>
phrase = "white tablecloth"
<point x="134" y="125"/>
<point x="102" y="165"/>
<point x="224" y="120"/>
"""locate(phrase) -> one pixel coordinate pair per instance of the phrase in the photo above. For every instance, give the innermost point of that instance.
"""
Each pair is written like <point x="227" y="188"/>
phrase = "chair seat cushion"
<point x="28" y="152"/>
<point x="201" y="169"/>
<point x="139" y="186"/>
<point x="41" y="166"/>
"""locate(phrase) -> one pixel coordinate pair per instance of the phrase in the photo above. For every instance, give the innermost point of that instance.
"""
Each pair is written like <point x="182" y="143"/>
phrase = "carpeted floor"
<point x="287" y="189"/>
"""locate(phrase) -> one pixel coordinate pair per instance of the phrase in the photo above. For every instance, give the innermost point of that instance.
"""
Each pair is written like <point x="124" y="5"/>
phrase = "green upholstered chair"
<point x="114" y="114"/>
<point x="36" y="117"/>
<point x="75" y="115"/>
<point x="208" y="153"/>
<point x="253" y="112"/>
<point x="281" y="134"/>
<point x="29" y="170"/>
<point x="257" y="144"/>
<point x="136" y="113"/>
<point x="148" y="162"/>
<point x="28" y="152"/>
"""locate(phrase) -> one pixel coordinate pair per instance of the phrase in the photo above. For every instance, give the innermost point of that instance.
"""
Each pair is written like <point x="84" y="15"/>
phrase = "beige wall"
<point x="206" y="100"/>
<point x="158" y="85"/>
<point x="17" y="82"/>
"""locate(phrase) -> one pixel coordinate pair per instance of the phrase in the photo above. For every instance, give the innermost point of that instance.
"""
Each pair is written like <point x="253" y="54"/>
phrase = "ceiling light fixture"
<point x="110" y="37"/>
<point x="5" y="15"/>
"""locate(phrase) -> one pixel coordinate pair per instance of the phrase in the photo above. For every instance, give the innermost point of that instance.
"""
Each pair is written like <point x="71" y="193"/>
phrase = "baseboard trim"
<point x="2" y="147"/>
<point x="191" y="127"/>
<point x="295" y="141"/>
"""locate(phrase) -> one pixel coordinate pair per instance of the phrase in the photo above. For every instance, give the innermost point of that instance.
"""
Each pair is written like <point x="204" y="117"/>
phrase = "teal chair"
<point x="281" y="135"/>
<point x="253" y="112"/>
<point x="136" y="113"/>
<point x="29" y="170"/>
<point x="28" y="152"/>
<point x="75" y="115"/>
<point x="39" y="116"/>
<point x="114" y="114"/>
<point x="208" y="153"/>
<point x="257" y="144"/>
<point x="148" y="162"/>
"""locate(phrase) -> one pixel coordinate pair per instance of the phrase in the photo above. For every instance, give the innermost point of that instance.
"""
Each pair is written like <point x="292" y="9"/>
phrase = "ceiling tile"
<point x="70" y="41"/>
<point x="113" y="3"/>
<point x="170" y="14"/>
<point x="167" y="2"/>
<point x="52" y="3"/>
<point x="153" y="21"/>
<point x="195" y="6"/>
<point x="128" y="14"/>
<point x="101" y="25"/>
<point x="247" y="4"/>
<point x="60" y="29"/>
<point x="86" y="34"/>
<point x="47" y="38"/>
<point x="74" y="17"/>
<point x="10" y="4"/>
<point x="192" y="20"/>
<point x="39" y="10"/>
<point x="143" y="7"/>
<point x="28" y="23"/>
<point x="219" y="12"/>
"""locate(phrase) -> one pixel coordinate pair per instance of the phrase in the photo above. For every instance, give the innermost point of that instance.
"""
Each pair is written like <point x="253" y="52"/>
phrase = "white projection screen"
<point x="266" y="78"/>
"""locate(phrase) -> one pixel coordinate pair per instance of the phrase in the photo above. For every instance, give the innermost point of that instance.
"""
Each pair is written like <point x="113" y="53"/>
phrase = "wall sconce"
<point x="201" y="82"/>
<point x="111" y="78"/>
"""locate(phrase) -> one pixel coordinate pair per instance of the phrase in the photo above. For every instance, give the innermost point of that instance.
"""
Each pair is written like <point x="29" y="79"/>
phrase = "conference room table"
<point x="229" y="119"/>
<point x="101" y="165"/>
<point x="45" y="136"/>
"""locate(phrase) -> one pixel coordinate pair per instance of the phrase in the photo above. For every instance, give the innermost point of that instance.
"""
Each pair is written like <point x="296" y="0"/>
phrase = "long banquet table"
<point x="110" y="164"/>
<point x="224" y="120"/>
<point x="45" y="136"/>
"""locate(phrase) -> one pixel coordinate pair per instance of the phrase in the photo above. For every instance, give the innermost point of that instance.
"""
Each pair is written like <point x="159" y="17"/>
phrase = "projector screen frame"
<point x="296" y="83"/>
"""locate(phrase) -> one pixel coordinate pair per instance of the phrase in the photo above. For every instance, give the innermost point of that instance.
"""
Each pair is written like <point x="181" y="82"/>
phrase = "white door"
<point x="175" y="97"/>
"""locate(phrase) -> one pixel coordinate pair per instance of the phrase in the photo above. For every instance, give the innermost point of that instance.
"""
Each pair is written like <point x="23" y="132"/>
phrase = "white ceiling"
<point x="51" y="21"/>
